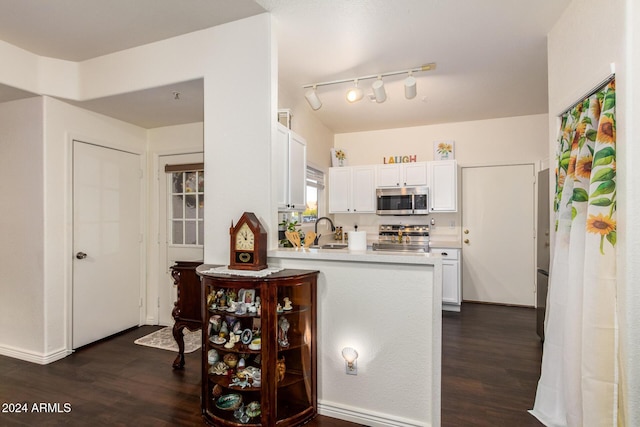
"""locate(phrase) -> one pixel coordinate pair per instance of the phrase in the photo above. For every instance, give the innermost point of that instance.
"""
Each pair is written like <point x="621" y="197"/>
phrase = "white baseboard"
<point x="34" y="357"/>
<point x="368" y="418"/>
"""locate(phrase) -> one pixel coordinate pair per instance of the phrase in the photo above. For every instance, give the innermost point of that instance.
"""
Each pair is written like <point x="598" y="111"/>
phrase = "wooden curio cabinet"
<point x="259" y="365"/>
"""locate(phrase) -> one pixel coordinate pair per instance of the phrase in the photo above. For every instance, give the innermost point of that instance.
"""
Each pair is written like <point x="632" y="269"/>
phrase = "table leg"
<point x="178" y="335"/>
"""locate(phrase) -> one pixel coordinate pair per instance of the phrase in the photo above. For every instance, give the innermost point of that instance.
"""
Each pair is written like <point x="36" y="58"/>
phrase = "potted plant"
<point x="287" y="225"/>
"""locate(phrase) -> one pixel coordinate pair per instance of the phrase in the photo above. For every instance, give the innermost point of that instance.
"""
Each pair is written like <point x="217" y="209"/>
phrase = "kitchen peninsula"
<point x="387" y="306"/>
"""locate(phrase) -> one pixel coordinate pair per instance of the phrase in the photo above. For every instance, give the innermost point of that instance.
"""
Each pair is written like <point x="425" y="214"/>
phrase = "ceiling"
<point x="490" y="55"/>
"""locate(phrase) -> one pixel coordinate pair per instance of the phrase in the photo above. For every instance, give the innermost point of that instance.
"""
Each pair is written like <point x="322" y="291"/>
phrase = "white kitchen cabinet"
<point x="402" y="175"/>
<point x="352" y="189"/>
<point x="290" y="169"/>
<point x="451" y="278"/>
<point x="443" y="186"/>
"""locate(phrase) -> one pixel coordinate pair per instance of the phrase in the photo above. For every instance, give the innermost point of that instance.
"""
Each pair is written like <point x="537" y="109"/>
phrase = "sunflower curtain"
<point x="578" y="382"/>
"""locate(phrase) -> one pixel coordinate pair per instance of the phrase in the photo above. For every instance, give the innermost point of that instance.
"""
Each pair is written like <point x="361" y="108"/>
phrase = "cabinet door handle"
<point x="444" y="254"/>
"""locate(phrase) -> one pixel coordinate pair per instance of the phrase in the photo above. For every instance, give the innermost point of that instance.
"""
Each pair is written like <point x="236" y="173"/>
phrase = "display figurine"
<point x="283" y="324"/>
<point x="224" y="330"/>
<point x="281" y="369"/>
<point x="287" y="304"/>
<point x="233" y="339"/>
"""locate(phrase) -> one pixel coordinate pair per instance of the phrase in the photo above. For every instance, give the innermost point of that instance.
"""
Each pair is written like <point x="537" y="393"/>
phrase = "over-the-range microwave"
<point x="402" y="201"/>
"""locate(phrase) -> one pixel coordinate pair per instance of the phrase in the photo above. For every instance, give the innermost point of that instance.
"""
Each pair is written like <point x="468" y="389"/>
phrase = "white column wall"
<point x="21" y="228"/>
<point x="240" y="116"/>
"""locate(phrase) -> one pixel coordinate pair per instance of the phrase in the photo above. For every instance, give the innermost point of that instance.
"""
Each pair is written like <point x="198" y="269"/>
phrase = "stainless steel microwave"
<point x="402" y="201"/>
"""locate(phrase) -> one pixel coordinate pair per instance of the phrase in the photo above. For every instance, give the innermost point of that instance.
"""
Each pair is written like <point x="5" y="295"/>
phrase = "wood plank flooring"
<point x="490" y="366"/>
<point x="491" y="362"/>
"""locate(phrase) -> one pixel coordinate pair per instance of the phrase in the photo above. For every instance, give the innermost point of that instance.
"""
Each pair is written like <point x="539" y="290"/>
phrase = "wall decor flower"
<point x="338" y="157"/>
<point x="443" y="150"/>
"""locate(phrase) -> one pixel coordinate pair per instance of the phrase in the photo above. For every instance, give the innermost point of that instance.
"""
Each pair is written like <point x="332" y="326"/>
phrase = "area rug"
<point x="163" y="338"/>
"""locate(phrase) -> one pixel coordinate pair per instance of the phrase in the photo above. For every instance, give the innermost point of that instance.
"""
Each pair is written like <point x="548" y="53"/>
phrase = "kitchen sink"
<point x="333" y="246"/>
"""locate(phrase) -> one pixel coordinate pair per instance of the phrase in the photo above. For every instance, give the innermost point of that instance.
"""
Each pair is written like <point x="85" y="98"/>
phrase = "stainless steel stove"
<point x="402" y="238"/>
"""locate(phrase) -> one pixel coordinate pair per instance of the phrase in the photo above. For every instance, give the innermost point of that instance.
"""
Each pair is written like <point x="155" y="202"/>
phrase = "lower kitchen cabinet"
<point x="451" y="278"/>
<point x="259" y="365"/>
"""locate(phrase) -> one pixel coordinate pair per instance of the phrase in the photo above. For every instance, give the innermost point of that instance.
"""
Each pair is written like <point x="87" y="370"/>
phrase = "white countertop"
<point x="357" y="256"/>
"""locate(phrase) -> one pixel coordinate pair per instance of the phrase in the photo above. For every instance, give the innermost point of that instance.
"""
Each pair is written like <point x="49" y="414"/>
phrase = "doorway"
<point x="107" y="242"/>
<point x="176" y="199"/>
<point x="499" y="234"/>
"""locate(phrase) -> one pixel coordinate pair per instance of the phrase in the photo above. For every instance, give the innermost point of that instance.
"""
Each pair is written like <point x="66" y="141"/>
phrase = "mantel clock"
<point x="248" y="244"/>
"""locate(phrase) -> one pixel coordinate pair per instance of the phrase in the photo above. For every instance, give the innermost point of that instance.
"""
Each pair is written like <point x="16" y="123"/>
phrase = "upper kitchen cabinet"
<point x="290" y="168"/>
<point x="443" y="186"/>
<point x="402" y="174"/>
<point x="352" y="189"/>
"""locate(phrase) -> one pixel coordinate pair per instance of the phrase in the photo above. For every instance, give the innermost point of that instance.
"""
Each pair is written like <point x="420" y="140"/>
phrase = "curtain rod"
<point x="595" y="89"/>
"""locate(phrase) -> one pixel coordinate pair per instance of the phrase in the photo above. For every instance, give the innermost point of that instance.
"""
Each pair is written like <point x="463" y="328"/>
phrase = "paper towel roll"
<point x="358" y="240"/>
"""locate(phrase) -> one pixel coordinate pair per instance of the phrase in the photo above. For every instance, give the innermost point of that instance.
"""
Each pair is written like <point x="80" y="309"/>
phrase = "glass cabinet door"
<point x="233" y="354"/>
<point x="295" y="392"/>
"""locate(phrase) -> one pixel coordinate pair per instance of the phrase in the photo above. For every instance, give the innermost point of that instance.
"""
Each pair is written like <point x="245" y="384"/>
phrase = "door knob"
<point x="466" y="241"/>
<point x="81" y="255"/>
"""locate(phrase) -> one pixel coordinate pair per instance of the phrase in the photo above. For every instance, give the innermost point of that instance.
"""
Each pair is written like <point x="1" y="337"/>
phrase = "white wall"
<point x="509" y="140"/>
<point x="21" y="227"/>
<point x="589" y="37"/>
<point x="40" y="265"/>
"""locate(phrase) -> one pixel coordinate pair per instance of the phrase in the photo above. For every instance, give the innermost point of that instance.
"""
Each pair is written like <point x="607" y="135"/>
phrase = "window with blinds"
<point x="315" y="186"/>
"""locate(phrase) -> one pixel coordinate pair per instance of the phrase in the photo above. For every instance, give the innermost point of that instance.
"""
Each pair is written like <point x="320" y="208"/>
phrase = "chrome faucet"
<point x="315" y="229"/>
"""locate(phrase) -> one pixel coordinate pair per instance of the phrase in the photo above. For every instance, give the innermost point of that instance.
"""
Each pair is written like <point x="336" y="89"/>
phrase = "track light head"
<point x="312" y="98"/>
<point x="410" y="89"/>
<point x="378" y="90"/>
<point x="355" y="94"/>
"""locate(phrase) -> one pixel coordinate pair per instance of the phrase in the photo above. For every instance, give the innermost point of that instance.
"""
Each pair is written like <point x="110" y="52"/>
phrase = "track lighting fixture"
<point x="355" y="93"/>
<point x="410" y="89"/>
<point x="312" y="98"/>
<point x="378" y="90"/>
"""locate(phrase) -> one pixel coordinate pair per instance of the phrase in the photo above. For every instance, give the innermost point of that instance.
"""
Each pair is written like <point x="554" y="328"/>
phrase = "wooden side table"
<point x="187" y="308"/>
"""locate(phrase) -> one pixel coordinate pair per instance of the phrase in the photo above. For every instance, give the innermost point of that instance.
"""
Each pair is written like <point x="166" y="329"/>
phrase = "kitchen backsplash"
<point x="447" y="225"/>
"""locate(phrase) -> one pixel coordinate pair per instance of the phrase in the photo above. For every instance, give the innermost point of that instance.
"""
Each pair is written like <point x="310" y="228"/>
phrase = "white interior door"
<point x="168" y="251"/>
<point x="498" y="234"/>
<point x="107" y="241"/>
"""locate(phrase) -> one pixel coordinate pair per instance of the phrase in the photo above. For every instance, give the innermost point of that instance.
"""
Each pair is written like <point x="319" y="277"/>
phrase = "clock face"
<point x="245" y="238"/>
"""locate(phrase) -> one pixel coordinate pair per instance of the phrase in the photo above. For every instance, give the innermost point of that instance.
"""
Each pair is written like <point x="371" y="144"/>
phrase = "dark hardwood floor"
<point x="490" y="366"/>
<point x="491" y="362"/>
